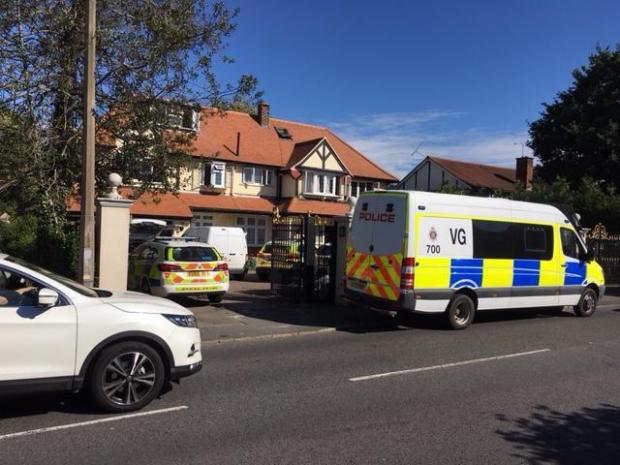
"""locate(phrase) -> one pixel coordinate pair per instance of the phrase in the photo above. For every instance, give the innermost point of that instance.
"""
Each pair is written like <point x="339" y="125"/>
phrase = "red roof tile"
<point x="166" y="205"/>
<point x="317" y="207"/>
<point x="217" y="137"/>
<point x="478" y="175"/>
<point x="228" y="203"/>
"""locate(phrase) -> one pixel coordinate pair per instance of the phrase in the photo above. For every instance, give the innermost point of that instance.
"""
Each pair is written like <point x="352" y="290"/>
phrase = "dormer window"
<point x="318" y="183"/>
<point x="182" y="117"/>
<point x="215" y="174"/>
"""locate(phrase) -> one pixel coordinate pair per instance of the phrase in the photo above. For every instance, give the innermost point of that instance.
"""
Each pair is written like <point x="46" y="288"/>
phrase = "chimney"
<point x="263" y="113"/>
<point x="525" y="171"/>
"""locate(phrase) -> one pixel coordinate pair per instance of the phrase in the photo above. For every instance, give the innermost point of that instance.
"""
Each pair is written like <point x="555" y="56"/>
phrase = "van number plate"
<point x="357" y="284"/>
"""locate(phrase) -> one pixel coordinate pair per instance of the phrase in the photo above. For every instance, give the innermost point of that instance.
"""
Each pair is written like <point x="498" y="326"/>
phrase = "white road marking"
<point x="92" y="422"/>
<point x="448" y="365"/>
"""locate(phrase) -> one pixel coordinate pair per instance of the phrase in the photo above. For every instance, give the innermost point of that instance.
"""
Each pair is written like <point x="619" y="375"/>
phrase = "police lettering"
<point x="377" y="217"/>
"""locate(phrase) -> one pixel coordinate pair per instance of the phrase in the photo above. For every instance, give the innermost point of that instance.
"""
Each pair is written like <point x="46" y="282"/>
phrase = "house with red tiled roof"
<point x="434" y="172"/>
<point x="249" y="166"/>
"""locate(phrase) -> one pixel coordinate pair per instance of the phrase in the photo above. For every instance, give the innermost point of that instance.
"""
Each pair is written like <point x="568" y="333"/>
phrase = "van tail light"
<point x="407" y="275"/>
<point x="221" y="267"/>
<point x="168" y="267"/>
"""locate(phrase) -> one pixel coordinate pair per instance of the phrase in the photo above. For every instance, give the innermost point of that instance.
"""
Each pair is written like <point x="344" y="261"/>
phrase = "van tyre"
<point x="587" y="304"/>
<point x="461" y="311"/>
<point x="215" y="299"/>
<point x="126" y="377"/>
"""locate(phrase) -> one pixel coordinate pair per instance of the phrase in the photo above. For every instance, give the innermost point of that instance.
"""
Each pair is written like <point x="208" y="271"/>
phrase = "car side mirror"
<point x="47" y="297"/>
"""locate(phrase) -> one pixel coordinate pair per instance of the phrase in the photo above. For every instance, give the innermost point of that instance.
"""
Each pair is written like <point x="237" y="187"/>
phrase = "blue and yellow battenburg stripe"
<point x="457" y="273"/>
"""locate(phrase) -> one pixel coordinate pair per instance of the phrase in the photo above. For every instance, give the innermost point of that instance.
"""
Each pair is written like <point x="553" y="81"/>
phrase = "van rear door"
<point x="237" y="250"/>
<point x="376" y="246"/>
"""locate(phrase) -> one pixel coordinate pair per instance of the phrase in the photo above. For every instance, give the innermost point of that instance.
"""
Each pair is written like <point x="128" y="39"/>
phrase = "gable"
<point x="234" y="136"/>
<point x="322" y="157"/>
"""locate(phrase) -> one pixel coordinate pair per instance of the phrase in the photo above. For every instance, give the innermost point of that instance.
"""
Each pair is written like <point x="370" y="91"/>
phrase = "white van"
<point x="453" y="254"/>
<point x="230" y="242"/>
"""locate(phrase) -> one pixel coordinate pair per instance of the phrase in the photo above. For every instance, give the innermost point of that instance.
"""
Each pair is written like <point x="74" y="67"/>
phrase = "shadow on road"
<point x="587" y="436"/>
<point x="28" y="405"/>
<point x="25" y="405"/>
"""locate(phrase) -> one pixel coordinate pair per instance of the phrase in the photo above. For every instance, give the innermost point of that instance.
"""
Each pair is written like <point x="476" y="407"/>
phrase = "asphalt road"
<point x="516" y="388"/>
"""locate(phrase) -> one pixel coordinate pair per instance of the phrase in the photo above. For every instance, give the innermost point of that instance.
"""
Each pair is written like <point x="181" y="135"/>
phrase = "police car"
<point x="174" y="266"/>
<point x="288" y="258"/>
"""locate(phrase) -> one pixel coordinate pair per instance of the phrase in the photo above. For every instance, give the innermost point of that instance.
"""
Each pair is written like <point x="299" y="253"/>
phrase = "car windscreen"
<point x="73" y="285"/>
<point x="267" y="248"/>
<point x="192" y="254"/>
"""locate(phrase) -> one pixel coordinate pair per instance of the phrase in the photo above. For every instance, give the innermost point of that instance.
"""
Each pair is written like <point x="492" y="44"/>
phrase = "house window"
<point x="358" y="187"/>
<point x="320" y="183"/>
<point x="215" y="174"/>
<point x="257" y="175"/>
<point x="183" y="117"/>
<point x="201" y="220"/>
<point x="255" y="228"/>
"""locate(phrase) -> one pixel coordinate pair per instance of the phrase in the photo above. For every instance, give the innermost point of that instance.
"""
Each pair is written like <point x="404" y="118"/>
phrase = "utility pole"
<point x="87" y="184"/>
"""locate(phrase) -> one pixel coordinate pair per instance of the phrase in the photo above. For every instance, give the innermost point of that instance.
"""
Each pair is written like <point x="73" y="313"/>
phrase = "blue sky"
<point x="461" y="78"/>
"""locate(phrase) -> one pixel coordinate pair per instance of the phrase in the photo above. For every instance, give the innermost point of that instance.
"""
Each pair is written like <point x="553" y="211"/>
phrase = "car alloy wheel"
<point x="126" y="376"/>
<point x="129" y="378"/>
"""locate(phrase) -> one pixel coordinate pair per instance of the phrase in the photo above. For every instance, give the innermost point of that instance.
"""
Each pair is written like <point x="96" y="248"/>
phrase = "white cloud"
<point x="390" y="138"/>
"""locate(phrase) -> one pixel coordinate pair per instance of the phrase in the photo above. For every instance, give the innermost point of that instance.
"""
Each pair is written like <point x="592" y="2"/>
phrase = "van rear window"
<point x="192" y="254"/>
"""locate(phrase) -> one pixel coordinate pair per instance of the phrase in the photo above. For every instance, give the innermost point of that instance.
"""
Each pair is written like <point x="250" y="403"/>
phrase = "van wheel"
<point x="126" y="377"/>
<point x="587" y="303"/>
<point x="215" y="299"/>
<point x="461" y="311"/>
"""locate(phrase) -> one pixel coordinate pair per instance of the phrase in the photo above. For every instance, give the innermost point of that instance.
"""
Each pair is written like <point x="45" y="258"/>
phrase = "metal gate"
<point x="303" y="258"/>
<point x="287" y="258"/>
<point x="323" y="268"/>
<point x="606" y="250"/>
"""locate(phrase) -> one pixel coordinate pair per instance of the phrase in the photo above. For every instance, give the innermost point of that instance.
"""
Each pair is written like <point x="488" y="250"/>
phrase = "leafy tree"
<point x="147" y="53"/>
<point x="446" y="188"/>
<point x="594" y="202"/>
<point x="578" y="134"/>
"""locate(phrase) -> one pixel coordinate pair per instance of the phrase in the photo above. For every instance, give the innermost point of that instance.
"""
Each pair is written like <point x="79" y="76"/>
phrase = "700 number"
<point x="434" y="249"/>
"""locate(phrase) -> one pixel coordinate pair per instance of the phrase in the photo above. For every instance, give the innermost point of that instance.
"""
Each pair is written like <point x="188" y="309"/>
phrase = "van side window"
<point x="493" y="239"/>
<point x="535" y="239"/>
<point x="570" y="244"/>
<point x="533" y="242"/>
<point x="504" y="240"/>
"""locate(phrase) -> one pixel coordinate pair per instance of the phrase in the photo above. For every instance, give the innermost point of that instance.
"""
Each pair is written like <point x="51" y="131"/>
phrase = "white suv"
<point x="57" y="335"/>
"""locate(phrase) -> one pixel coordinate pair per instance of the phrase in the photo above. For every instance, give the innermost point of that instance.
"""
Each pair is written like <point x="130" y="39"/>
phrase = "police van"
<point x="439" y="253"/>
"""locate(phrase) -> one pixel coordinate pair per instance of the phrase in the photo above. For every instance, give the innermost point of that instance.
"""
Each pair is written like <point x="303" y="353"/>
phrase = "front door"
<point x="35" y="342"/>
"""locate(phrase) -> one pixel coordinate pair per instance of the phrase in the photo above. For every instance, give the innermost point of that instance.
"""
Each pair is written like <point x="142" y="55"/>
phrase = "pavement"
<point x="514" y="388"/>
<point x="251" y="312"/>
